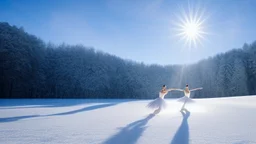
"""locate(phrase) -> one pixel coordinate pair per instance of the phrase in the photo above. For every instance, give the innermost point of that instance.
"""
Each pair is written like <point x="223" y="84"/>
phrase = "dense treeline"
<point x="29" y="68"/>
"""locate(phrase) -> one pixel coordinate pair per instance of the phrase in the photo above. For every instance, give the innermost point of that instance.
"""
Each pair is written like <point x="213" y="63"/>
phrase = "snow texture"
<point x="76" y="121"/>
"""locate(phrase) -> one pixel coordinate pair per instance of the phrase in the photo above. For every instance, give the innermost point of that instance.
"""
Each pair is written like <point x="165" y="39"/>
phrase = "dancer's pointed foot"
<point x="183" y="109"/>
<point x="156" y="111"/>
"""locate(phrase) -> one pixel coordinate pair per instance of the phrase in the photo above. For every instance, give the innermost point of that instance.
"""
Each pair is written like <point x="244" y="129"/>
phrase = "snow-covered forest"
<point x="31" y="68"/>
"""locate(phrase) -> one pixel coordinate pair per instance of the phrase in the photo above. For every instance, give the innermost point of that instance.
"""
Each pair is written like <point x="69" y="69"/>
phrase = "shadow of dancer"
<point x="131" y="133"/>
<point x="182" y="134"/>
<point x="90" y="108"/>
<point x="12" y="119"/>
<point x="94" y="107"/>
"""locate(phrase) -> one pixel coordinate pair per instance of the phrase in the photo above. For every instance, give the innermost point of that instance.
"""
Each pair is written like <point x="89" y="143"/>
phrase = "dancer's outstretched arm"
<point x="196" y="89"/>
<point x="178" y="89"/>
<point x="170" y="89"/>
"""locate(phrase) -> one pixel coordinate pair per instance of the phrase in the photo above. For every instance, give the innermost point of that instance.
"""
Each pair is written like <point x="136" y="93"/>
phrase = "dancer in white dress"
<point x="159" y="103"/>
<point x="186" y="98"/>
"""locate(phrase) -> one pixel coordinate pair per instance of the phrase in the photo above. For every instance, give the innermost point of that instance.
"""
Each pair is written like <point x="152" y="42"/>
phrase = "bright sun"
<point x="191" y="30"/>
<point x="190" y="27"/>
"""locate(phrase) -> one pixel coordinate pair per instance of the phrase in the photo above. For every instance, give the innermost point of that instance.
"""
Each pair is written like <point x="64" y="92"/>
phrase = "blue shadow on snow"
<point x="94" y="107"/>
<point x="131" y="133"/>
<point x="182" y="134"/>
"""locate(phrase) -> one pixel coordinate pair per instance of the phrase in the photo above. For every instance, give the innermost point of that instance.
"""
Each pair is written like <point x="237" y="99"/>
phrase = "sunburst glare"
<point x="190" y="26"/>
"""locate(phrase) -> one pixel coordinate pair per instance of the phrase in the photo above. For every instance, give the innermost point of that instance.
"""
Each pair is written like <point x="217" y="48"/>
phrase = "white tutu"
<point x="185" y="99"/>
<point x="158" y="102"/>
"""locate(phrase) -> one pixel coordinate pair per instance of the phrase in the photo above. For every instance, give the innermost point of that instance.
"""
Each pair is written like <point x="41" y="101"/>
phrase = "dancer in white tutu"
<point x="159" y="103"/>
<point x="186" y="98"/>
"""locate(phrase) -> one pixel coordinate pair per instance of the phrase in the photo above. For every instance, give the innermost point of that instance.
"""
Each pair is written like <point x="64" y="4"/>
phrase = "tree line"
<point x="31" y="68"/>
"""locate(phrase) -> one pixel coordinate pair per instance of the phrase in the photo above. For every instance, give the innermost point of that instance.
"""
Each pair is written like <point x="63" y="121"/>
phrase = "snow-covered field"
<point x="209" y="121"/>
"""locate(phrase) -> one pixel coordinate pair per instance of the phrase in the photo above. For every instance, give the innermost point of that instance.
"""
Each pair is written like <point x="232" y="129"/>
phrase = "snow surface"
<point x="76" y="121"/>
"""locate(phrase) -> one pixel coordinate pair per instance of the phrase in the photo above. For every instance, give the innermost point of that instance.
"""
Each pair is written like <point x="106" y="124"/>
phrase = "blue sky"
<point x="139" y="30"/>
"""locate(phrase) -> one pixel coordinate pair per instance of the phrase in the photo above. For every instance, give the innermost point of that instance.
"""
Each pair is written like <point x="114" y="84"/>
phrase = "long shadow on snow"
<point x="42" y="103"/>
<point x="33" y="103"/>
<point x="131" y="133"/>
<point x="11" y="119"/>
<point x="182" y="134"/>
<point x="94" y="107"/>
<point x="83" y="109"/>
